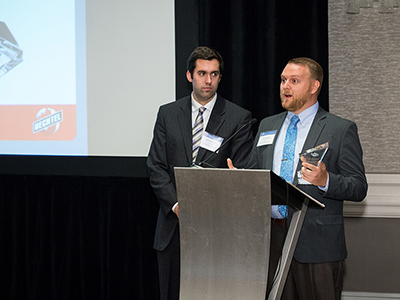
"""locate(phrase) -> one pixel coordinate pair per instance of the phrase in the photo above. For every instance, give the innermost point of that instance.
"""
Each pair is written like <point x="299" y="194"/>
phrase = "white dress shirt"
<point x="206" y="114"/>
<point x="303" y="127"/>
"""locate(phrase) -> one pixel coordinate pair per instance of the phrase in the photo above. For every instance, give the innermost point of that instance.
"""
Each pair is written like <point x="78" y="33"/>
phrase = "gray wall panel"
<point x="373" y="263"/>
<point x="364" y="60"/>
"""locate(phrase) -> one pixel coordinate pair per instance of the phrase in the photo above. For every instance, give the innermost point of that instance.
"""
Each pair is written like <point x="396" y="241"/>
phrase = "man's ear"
<point x="189" y="76"/>
<point x="315" y="86"/>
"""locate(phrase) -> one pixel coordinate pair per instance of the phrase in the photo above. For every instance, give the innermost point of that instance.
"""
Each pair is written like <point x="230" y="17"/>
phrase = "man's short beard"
<point x="295" y="105"/>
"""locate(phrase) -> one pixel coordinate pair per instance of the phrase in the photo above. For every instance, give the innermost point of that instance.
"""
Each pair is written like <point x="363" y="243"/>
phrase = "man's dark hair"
<point x="205" y="53"/>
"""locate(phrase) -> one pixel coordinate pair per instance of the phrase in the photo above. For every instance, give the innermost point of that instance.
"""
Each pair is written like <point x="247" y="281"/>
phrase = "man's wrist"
<point x="325" y="188"/>
<point x="173" y="207"/>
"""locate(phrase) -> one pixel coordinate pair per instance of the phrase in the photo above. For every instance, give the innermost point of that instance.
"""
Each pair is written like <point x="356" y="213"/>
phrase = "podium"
<point x="225" y="224"/>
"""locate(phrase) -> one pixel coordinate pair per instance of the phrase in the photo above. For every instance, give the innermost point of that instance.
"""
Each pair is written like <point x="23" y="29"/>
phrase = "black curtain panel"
<point x="256" y="40"/>
<point x="77" y="238"/>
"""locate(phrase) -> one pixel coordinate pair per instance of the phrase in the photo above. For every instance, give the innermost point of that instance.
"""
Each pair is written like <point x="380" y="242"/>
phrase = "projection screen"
<point x="84" y="77"/>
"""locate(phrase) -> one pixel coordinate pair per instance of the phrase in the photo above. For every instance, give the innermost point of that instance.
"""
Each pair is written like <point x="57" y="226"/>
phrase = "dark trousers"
<point x="169" y="269"/>
<point x="310" y="281"/>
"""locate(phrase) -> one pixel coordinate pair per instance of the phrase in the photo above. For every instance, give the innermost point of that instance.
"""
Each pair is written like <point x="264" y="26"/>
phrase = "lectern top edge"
<point x="224" y="169"/>
<point x="276" y="177"/>
<point x="307" y="195"/>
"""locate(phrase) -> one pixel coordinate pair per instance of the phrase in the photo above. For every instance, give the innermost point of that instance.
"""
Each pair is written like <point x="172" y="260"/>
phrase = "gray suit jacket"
<point x="172" y="147"/>
<point x="322" y="237"/>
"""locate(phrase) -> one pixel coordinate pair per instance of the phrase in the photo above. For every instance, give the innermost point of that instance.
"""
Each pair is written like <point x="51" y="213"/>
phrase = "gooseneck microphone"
<point x="205" y="161"/>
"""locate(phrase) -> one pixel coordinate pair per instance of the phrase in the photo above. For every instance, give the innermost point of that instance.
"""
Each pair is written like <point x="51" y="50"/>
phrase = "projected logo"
<point x="10" y="53"/>
<point x="48" y="121"/>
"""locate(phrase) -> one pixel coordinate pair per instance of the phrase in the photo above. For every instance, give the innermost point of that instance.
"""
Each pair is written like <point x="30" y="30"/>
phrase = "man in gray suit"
<point x="176" y="128"/>
<point x="317" y="268"/>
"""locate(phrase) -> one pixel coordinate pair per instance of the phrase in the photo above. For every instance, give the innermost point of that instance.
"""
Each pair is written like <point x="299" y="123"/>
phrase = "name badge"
<point x="266" y="138"/>
<point x="210" y="142"/>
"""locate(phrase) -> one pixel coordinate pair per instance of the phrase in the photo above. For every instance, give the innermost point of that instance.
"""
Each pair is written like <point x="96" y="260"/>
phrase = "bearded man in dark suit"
<point x="316" y="272"/>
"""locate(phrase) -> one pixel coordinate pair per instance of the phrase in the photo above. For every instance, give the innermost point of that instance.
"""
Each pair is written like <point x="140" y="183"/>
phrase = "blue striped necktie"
<point x="288" y="156"/>
<point x="197" y="132"/>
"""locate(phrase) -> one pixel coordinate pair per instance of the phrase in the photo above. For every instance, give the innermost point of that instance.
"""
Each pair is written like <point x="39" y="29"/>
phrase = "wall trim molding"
<point x="368" y="296"/>
<point x="382" y="201"/>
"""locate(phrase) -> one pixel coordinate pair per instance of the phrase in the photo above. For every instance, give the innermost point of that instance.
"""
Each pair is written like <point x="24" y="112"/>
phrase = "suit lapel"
<point x="185" y="125"/>
<point x="313" y="135"/>
<point x="315" y="130"/>
<point x="216" y="118"/>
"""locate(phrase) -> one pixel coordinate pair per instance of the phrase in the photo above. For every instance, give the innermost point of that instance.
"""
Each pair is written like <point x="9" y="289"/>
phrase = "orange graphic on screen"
<point x="37" y="122"/>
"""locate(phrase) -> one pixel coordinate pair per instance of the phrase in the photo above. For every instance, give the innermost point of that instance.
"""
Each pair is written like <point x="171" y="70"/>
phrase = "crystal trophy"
<point x="10" y="53"/>
<point x="315" y="155"/>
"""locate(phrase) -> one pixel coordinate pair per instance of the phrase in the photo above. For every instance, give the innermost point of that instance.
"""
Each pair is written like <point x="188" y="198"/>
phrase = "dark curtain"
<point x="77" y="238"/>
<point x="256" y="40"/>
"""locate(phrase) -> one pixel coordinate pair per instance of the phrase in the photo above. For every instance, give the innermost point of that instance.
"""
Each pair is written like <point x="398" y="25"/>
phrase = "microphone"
<point x="204" y="162"/>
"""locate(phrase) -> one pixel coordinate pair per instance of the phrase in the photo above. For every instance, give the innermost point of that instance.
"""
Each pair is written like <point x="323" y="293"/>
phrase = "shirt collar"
<point x="209" y="106"/>
<point x="306" y="115"/>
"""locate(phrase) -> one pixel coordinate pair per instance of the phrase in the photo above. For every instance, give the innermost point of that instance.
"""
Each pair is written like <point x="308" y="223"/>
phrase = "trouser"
<point x="310" y="281"/>
<point x="169" y="269"/>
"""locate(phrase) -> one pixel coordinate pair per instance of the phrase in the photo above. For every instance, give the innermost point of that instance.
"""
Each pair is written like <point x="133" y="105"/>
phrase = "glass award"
<point x="315" y="155"/>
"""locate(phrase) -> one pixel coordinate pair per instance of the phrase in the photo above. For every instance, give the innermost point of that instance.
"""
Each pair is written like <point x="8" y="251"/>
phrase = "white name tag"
<point x="266" y="138"/>
<point x="210" y="142"/>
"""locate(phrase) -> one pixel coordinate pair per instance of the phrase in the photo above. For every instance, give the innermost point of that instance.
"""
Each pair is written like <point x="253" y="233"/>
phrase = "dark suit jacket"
<point x="172" y="147"/>
<point x="322" y="237"/>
